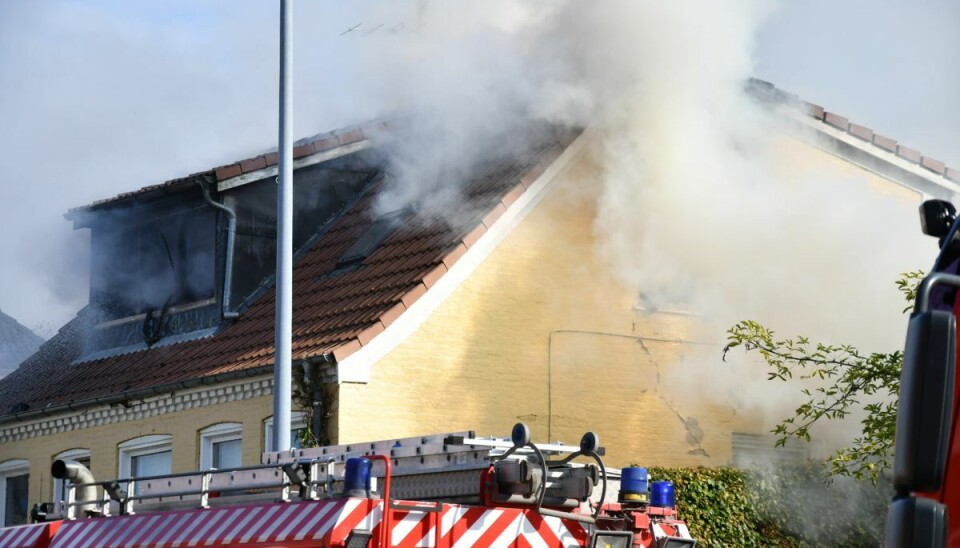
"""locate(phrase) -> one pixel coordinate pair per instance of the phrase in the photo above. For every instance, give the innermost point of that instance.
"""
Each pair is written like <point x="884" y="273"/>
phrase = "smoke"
<point x="794" y="498"/>
<point x="706" y="202"/>
<point x="702" y="199"/>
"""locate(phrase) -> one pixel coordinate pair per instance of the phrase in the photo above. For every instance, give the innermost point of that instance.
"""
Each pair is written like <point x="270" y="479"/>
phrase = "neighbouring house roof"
<point x="16" y="343"/>
<point x="865" y="139"/>
<point x="336" y="310"/>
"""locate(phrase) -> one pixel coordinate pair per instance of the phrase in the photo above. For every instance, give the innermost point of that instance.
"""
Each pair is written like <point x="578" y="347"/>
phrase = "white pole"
<point x="284" y="313"/>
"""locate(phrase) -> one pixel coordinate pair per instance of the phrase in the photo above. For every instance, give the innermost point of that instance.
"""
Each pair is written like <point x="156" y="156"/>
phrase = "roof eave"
<point x="131" y="395"/>
<point x="83" y="216"/>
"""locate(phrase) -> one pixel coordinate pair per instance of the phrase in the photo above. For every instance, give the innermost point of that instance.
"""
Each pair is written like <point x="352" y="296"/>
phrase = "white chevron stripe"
<point x="450" y="517"/>
<point x="175" y="527"/>
<point x="141" y="531"/>
<point x="345" y="511"/>
<point x="531" y="534"/>
<point x="160" y="530"/>
<point x="510" y="534"/>
<point x="471" y="536"/>
<point x="246" y="517"/>
<point x="228" y="520"/>
<point x="401" y="529"/>
<point x="197" y="520"/>
<point x="214" y="519"/>
<point x="287" y="512"/>
<point x="306" y="511"/>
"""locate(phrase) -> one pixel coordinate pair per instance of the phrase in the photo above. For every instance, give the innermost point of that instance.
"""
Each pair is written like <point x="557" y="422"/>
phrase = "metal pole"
<point x="284" y="313"/>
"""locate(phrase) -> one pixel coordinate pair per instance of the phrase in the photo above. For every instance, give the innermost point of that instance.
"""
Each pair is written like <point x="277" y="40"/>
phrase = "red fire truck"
<point x="927" y="450"/>
<point x="440" y="491"/>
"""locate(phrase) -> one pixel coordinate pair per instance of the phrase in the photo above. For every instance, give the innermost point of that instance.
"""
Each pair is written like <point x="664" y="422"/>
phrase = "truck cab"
<point x="926" y="470"/>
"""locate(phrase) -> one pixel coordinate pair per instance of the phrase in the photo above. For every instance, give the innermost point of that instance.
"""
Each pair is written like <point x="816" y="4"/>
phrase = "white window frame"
<point x="144" y="445"/>
<point x="12" y="467"/>
<point x="749" y="449"/>
<point x="59" y="492"/>
<point x="224" y="431"/>
<point x="298" y="420"/>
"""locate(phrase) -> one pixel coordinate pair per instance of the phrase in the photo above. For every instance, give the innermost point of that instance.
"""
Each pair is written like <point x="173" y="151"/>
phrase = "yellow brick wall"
<point x="541" y="305"/>
<point x="102" y="441"/>
<point x="542" y="309"/>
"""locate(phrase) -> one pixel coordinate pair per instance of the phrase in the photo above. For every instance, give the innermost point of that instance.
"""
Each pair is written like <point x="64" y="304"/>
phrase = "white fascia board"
<point x="271" y="171"/>
<point x="357" y="367"/>
<point x="917" y="178"/>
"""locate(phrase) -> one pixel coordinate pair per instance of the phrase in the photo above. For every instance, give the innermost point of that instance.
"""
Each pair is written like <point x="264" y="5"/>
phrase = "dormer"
<point x="178" y="261"/>
<point x="154" y="268"/>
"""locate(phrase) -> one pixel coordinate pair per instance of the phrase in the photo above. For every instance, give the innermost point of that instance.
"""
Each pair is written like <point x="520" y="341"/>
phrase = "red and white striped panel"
<point x="27" y="536"/>
<point x="293" y="524"/>
<point x="466" y="526"/>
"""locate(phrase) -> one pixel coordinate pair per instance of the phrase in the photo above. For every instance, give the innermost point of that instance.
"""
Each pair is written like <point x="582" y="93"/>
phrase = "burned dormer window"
<point x="379" y="230"/>
<point x="150" y="263"/>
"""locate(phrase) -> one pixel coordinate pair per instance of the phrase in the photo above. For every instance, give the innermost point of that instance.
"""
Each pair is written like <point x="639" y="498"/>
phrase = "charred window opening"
<point x="368" y="242"/>
<point x="155" y="263"/>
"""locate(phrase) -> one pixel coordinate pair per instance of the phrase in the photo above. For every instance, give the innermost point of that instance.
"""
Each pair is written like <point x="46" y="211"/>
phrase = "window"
<point x="146" y="456"/>
<point x="60" y="486"/>
<point x="14" y="492"/>
<point x="298" y="423"/>
<point x="381" y="229"/>
<point x="221" y="446"/>
<point x="751" y="450"/>
<point x="144" y="265"/>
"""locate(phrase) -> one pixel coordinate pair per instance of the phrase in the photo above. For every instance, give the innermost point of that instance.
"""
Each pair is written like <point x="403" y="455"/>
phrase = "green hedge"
<point x="791" y="506"/>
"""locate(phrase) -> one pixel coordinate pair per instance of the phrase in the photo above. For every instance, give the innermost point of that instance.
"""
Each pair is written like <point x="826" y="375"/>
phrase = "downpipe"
<point x="231" y="236"/>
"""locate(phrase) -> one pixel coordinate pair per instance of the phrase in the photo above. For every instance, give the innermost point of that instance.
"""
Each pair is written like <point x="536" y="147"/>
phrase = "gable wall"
<point x="541" y="305"/>
<point x="542" y="315"/>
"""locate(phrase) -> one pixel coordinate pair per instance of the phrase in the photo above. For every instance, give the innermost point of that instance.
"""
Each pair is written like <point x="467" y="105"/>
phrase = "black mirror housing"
<point x="926" y="401"/>
<point x="913" y="521"/>
<point x="936" y="216"/>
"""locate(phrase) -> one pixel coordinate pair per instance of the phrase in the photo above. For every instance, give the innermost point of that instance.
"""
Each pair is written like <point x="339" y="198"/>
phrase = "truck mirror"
<point x="913" y="521"/>
<point x="936" y="216"/>
<point x="926" y="399"/>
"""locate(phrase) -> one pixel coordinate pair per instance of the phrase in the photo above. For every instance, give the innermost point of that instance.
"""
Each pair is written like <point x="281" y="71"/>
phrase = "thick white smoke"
<point x="697" y="201"/>
<point x="703" y="199"/>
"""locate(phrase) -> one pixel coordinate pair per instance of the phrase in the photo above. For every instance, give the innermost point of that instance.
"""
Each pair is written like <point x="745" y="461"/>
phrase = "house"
<point x="405" y="322"/>
<point x="16" y="343"/>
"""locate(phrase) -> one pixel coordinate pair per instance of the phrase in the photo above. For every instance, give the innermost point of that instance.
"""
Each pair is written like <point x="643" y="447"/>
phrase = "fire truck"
<point x="448" y="490"/>
<point x="926" y="470"/>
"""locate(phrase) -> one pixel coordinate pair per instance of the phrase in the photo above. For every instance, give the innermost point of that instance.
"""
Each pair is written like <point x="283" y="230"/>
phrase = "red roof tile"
<point x="226" y="172"/>
<point x="935" y="166"/>
<point x="908" y="153"/>
<point x="885" y="143"/>
<point x="302" y="148"/>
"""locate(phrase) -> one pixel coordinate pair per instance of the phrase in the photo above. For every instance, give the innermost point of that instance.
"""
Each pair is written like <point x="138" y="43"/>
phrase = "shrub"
<point x="790" y="506"/>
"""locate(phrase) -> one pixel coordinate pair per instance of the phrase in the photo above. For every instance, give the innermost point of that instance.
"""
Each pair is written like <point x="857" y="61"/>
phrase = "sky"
<point x="101" y="97"/>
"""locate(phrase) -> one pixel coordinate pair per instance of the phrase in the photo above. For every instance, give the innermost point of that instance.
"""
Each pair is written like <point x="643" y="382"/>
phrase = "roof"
<point x="880" y="143"/>
<point x="335" y="313"/>
<point x="302" y="148"/>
